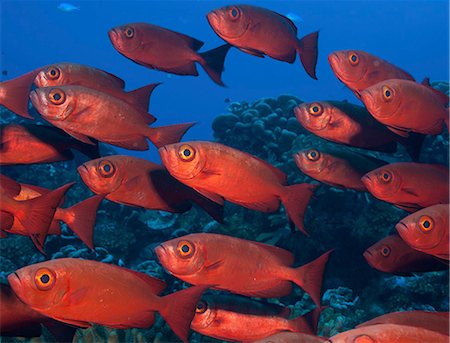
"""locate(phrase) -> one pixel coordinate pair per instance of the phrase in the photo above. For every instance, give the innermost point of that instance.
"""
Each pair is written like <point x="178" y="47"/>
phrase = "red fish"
<point x="218" y="318"/>
<point x="393" y="255"/>
<point x="345" y="123"/>
<point x="434" y="321"/>
<point x="35" y="214"/>
<point x="359" y="70"/>
<point x="85" y="113"/>
<point x="389" y="333"/>
<point x="28" y="144"/>
<point x="80" y="218"/>
<point x="342" y="169"/>
<point x="159" y="48"/>
<point x="61" y="74"/>
<point x="427" y="230"/>
<point x="292" y="337"/>
<point x="406" y="106"/>
<point x="259" y="32"/>
<point x="244" y="267"/>
<point x="223" y="173"/>
<point x="82" y="292"/>
<point x="408" y="185"/>
<point x="137" y="182"/>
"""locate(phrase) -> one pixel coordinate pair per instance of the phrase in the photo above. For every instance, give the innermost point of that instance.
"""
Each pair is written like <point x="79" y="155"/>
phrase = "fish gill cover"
<point x="130" y="225"/>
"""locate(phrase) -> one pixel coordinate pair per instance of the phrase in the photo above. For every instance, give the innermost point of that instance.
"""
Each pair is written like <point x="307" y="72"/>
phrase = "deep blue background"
<point x="412" y="34"/>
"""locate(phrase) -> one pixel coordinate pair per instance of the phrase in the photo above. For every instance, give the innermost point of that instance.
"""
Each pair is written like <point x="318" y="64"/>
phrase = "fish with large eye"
<point x="44" y="279"/>
<point x="53" y="73"/>
<point x="185" y="249"/>
<point x="57" y="96"/>
<point x="315" y="109"/>
<point x="128" y="32"/>
<point x="313" y="155"/>
<point x="186" y="153"/>
<point x="106" y="168"/>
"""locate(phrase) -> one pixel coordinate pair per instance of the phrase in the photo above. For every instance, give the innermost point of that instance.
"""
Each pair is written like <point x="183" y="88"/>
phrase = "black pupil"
<point x="186" y="152"/>
<point x="200" y="306"/>
<point x="45" y="278"/>
<point x="56" y="96"/>
<point x="107" y="168"/>
<point x="385" y="251"/>
<point x="387" y="93"/>
<point x="53" y="72"/>
<point x="185" y="248"/>
<point x="234" y="12"/>
<point x="426" y="224"/>
<point x="129" y="32"/>
<point x="385" y="176"/>
<point x="315" y="109"/>
<point x="353" y="58"/>
<point x="313" y="154"/>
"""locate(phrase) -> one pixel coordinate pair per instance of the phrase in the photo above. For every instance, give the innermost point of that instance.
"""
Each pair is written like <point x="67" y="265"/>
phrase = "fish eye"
<point x="315" y="109"/>
<point x="185" y="249"/>
<point x="385" y="251"/>
<point x="426" y="223"/>
<point x="57" y="96"/>
<point x="129" y="32"/>
<point x="202" y="306"/>
<point x="44" y="279"/>
<point x="186" y="153"/>
<point x="53" y="73"/>
<point x="234" y="12"/>
<point x="106" y="168"/>
<point x="363" y="339"/>
<point x="387" y="93"/>
<point x="313" y="155"/>
<point x="353" y="58"/>
<point x="386" y="176"/>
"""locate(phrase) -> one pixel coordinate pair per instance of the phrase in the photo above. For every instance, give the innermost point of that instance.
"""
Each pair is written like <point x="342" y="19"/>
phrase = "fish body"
<point x="392" y="255"/>
<point x="259" y="31"/>
<point x="137" y="182"/>
<point x="159" y="48"/>
<point x="29" y="144"/>
<point x="292" y="337"/>
<point x="223" y="173"/>
<point x="359" y="70"/>
<point x="408" y="185"/>
<point x="427" y="230"/>
<point x="85" y="113"/>
<point x="239" y="266"/>
<point x="82" y="293"/>
<point x="406" y="106"/>
<point x="342" y="169"/>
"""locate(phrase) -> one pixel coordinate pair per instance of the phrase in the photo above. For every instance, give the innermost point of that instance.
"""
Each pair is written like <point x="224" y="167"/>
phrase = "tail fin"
<point x="413" y="145"/>
<point x="312" y="318"/>
<point x="214" y="209"/>
<point x="170" y="134"/>
<point x="37" y="214"/>
<point x="295" y="199"/>
<point x="89" y="150"/>
<point x="213" y="60"/>
<point x="179" y="308"/>
<point x="309" y="277"/>
<point x="300" y="324"/>
<point x="140" y="97"/>
<point x="307" y="50"/>
<point x="81" y="218"/>
<point x="15" y="93"/>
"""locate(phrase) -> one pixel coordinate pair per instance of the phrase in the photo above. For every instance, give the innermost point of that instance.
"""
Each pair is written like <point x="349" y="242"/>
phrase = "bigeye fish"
<point x="345" y="123"/>
<point x="137" y="182"/>
<point x="359" y="70"/>
<point x="406" y="106"/>
<point x="29" y="144"/>
<point x="427" y="230"/>
<point x="223" y="173"/>
<point x="292" y="337"/>
<point x="85" y="113"/>
<point x="159" y="48"/>
<point x="257" y="269"/>
<point x="82" y="293"/>
<point x="392" y="255"/>
<point x="259" y="32"/>
<point x="220" y="318"/>
<point x="342" y="168"/>
<point x="408" y="185"/>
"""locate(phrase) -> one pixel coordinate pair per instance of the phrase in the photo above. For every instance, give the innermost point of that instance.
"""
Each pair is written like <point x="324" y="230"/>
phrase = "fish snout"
<point x="366" y="97"/>
<point x="401" y="228"/>
<point x="15" y="282"/>
<point x="367" y="181"/>
<point x="213" y="18"/>
<point x="39" y="81"/>
<point x="83" y="171"/>
<point x="113" y="36"/>
<point x="161" y="253"/>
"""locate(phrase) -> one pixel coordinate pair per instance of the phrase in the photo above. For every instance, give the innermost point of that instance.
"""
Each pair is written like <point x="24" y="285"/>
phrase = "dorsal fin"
<point x="116" y="78"/>
<point x="156" y="285"/>
<point x="289" y="22"/>
<point x="141" y="98"/>
<point x="284" y="256"/>
<point x="195" y="44"/>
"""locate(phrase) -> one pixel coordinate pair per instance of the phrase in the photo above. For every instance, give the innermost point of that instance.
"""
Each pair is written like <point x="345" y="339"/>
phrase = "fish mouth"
<point x="401" y="227"/>
<point x="34" y="97"/>
<point x="39" y="81"/>
<point x="161" y="253"/>
<point x="83" y="171"/>
<point x="163" y="152"/>
<point x="15" y="283"/>
<point x="113" y="36"/>
<point x="212" y="18"/>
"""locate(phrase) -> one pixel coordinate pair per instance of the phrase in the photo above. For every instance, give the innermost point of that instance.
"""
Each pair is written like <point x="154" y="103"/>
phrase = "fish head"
<point x="184" y="161"/>
<point x="41" y="286"/>
<point x="386" y="254"/>
<point x="205" y="313"/>
<point x="314" y="116"/>
<point x="229" y="22"/>
<point x="183" y="256"/>
<point x="54" y="103"/>
<point x="56" y="75"/>
<point x="383" y="99"/>
<point x="424" y="229"/>
<point x="103" y="175"/>
<point x="126" y="38"/>
<point x="349" y="66"/>
<point x="383" y="183"/>
<point x="311" y="161"/>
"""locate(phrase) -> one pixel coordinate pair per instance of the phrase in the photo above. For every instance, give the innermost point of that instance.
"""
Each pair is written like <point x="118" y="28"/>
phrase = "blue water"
<point x="411" y="34"/>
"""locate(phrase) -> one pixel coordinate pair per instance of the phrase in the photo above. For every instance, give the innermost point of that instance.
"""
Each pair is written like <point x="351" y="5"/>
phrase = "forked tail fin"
<point x="213" y="61"/>
<point x="170" y="134"/>
<point x="308" y="51"/>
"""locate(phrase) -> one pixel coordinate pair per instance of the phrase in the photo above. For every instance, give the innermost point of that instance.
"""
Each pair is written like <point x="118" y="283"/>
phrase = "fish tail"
<point x="295" y="199"/>
<point x="300" y="324"/>
<point x="37" y="214"/>
<point x="307" y="49"/>
<point x="214" y="209"/>
<point x="309" y="277"/>
<point x="80" y="218"/>
<point x="413" y="145"/>
<point x="15" y="94"/>
<point x="178" y="309"/>
<point x="213" y="60"/>
<point x="170" y="134"/>
<point x="141" y="97"/>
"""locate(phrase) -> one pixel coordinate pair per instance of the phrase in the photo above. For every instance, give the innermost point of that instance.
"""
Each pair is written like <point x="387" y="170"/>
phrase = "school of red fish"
<point x="85" y="105"/>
